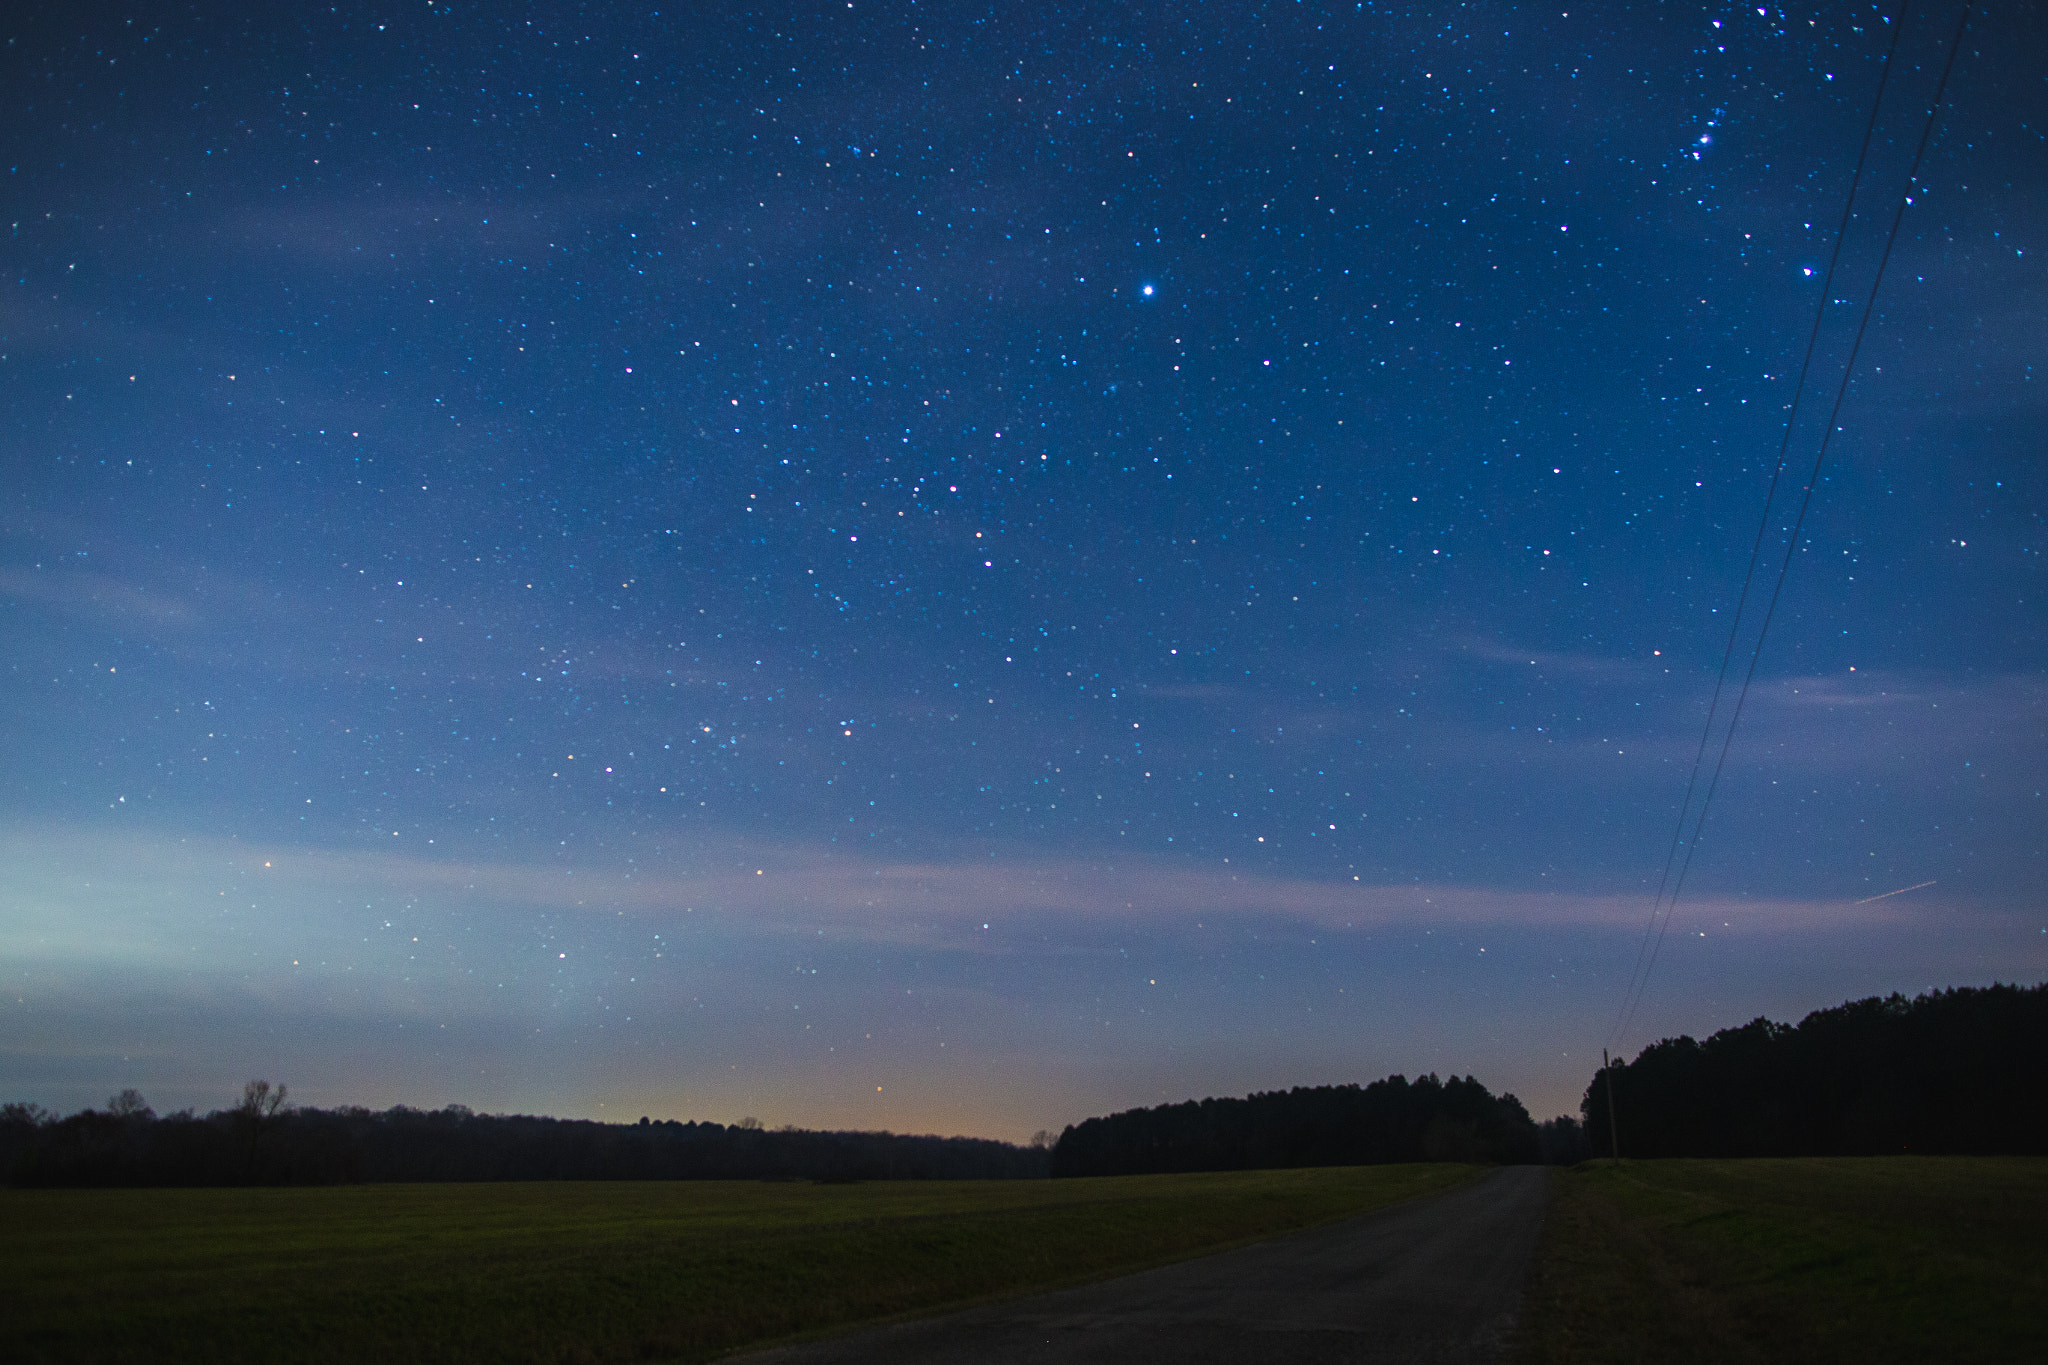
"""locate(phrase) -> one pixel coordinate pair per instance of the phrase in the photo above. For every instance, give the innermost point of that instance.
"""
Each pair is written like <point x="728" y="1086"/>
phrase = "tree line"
<point x="1953" y="1071"/>
<point x="1332" y="1125"/>
<point x="264" y="1141"/>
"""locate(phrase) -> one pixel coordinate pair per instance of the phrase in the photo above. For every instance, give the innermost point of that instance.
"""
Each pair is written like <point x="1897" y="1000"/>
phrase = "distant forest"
<point x="265" y="1141"/>
<point x="262" y="1141"/>
<point x="1954" y="1071"/>
<point x="1331" y="1125"/>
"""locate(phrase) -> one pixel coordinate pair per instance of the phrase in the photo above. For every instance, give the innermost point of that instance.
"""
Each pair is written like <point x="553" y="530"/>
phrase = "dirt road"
<point x="1436" y="1280"/>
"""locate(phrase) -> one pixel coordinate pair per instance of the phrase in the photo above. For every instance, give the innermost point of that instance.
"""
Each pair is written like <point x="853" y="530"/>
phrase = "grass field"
<point x="595" y="1272"/>
<point x="1866" y="1259"/>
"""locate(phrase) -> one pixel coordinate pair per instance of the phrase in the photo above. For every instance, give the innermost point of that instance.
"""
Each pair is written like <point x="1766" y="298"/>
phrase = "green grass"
<point x="1865" y="1259"/>
<point x="594" y="1272"/>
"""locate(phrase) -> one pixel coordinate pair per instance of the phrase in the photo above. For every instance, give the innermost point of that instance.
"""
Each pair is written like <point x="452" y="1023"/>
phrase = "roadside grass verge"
<point x="1865" y="1259"/>
<point x="598" y="1272"/>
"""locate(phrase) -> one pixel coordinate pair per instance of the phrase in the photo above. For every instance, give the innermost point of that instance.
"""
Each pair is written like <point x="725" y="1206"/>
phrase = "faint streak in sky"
<point x="1900" y="892"/>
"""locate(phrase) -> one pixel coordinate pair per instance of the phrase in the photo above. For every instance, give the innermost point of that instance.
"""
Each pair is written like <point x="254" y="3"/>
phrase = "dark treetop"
<point x="343" y="1146"/>
<point x="1330" y="1125"/>
<point x="1951" y="1071"/>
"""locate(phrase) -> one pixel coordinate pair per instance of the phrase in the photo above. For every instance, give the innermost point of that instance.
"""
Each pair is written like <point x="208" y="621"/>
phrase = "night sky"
<point x="954" y="567"/>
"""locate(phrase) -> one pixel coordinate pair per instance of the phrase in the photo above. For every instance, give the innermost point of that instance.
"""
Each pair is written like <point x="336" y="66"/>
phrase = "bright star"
<point x="1148" y="291"/>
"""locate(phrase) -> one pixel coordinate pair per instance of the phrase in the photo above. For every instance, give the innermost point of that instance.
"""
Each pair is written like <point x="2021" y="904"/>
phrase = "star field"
<point x="930" y="566"/>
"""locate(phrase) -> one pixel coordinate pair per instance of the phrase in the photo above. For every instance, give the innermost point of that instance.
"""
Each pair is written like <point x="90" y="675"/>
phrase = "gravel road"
<point x="1435" y="1280"/>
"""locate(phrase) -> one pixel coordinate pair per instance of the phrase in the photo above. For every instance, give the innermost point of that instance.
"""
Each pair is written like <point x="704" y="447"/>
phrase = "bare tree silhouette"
<point x="129" y="1104"/>
<point x="262" y="1104"/>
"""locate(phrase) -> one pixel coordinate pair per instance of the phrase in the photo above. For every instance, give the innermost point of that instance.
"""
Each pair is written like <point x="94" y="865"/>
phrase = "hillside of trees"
<point x="262" y="1141"/>
<point x="1332" y="1125"/>
<point x="1954" y="1071"/>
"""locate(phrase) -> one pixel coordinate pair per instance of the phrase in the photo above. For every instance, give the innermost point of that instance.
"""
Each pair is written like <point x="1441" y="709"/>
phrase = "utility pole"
<point x="1613" y="1129"/>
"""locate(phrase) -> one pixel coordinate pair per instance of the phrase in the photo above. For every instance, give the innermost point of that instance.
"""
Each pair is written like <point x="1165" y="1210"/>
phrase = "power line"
<point x="1638" y="972"/>
<point x="1813" y="481"/>
<point x="1657" y="927"/>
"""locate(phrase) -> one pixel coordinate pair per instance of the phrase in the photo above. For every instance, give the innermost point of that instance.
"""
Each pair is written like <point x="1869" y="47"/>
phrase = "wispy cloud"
<point x="99" y="596"/>
<point x="1879" y="720"/>
<point x="362" y="231"/>
<point x="775" y="887"/>
<point x="1550" y="663"/>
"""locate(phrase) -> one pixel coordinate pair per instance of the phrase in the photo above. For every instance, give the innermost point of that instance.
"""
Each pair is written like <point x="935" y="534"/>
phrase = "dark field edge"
<point x="1817" y="1260"/>
<point x="706" y="1297"/>
<point x="1074" y="1281"/>
<point x="1605" y="1289"/>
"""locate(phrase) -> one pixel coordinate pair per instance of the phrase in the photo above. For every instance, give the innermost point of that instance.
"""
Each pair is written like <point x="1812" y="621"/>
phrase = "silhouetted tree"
<point x="1332" y="1125"/>
<point x="1563" y="1141"/>
<point x="313" y="1146"/>
<point x="129" y="1104"/>
<point x="1962" y="1070"/>
<point x="256" y="1114"/>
